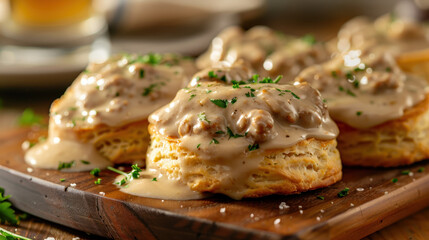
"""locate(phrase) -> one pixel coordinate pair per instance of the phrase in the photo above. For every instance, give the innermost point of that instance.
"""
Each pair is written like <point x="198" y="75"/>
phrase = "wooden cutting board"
<point x="374" y="202"/>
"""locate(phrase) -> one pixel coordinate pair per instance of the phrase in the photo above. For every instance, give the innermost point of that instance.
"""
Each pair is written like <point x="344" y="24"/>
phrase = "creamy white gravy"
<point x="121" y="90"/>
<point x="269" y="52"/>
<point x="232" y="128"/>
<point x="395" y="34"/>
<point x="162" y="188"/>
<point x="364" y="88"/>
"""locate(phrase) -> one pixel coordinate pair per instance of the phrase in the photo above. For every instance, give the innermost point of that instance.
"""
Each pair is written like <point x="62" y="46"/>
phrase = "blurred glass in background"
<point x="48" y="42"/>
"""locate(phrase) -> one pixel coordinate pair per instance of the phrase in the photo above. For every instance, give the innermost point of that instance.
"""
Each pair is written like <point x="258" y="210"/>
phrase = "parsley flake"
<point x="95" y="172"/>
<point x="358" y="113"/>
<point x="253" y="147"/>
<point x="395" y="180"/>
<point x="98" y="181"/>
<point x="28" y="118"/>
<point x="192" y="96"/>
<point x="202" y="116"/>
<point x="63" y="165"/>
<point x="214" y="141"/>
<point x="220" y="102"/>
<point x="309" y="39"/>
<point x="85" y="162"/>
<point x="421" y="169"/>
<point x="321" y="197"/>
<point x="343" y="192"/>
<point x="154" y="179"/>
<point x="232" y="135"/>
<point x="141" y="73"/>
<point x="405" y="172"/>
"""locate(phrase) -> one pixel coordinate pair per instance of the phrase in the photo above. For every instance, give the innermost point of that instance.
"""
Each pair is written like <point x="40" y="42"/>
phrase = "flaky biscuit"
<point x="123" y="144"/>
<point x="307" y="165"/>
<point x="397" y="142"/>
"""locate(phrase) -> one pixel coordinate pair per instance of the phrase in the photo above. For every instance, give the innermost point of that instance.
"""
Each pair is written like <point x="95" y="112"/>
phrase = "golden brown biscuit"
<point x="247" y="140"/>
<point x="397" y="142"/>
<point x="308" y="165"/>
<point x="103" y="114"/>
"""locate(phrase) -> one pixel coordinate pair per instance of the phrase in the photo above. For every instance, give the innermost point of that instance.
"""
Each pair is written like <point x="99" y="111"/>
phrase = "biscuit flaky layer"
<point x="398" y="142"/>
<point x="310" y="164"/>
<point x="124" y="144"/>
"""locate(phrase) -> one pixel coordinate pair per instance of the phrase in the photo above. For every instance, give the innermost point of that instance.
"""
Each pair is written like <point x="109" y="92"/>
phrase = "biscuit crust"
<point x="123" y="144"/>
<point x="398" y="142"/>
<point x="308" y="165"/>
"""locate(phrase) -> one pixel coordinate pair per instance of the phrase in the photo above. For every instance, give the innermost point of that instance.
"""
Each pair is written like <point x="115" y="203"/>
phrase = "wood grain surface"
<point x="121" y="216"/>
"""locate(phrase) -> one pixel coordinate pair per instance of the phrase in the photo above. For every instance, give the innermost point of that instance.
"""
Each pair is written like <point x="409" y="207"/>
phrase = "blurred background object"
<point x="48" y="42"/>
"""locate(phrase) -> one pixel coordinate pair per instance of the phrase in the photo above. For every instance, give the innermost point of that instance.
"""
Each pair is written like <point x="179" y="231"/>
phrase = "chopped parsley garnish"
<point x="62" y="179"/>
<point x="321" y="197"/>
<point x="220" y="132"/>
<point x="28" y="118"/>
<point x="149" y="89"/>
<point x="253" y="147"/>
<point x="154" y="179"/>
<point x="211" y="74"/>
<point x="192" y="96"/>
<point x="202" y="116"/>
<point x="282" y="92"/>
<point x="334" y="74"/>
<point x="405" y="172"/>
<point x="6" y="235"/>
<point x="421" y="169"/>
<point x="236" y="84"/>
<point x="341" y="89"/>
<point x="85" y="162"/>
<point x="208" y="91"/>
<point x="395" y="180"/>
<point x="350" y="93"/>
<point x="198" y="146"/>
<point x="95" y="172"/>
<point x="358" y="69"/>
<point x="278" y="78"/>
<point x="309" y="39"/>
<point x="356" y="83"/>
<point x="233" y="100"/>
<point x="150" y="58"/>
<point x="255" y="78"/>
<point x="343" y="192"/>
<point x="134" y="174"/>
<point x="220" y="102"/>
<point x="7" y="214"/>
<point x="223" y="78"/>
<point x="350" y="76"/>
<point x="358" y="113"/>
<point x="232" y="135"/>
<point x="117" y="94"/>
<point x="250" y="94"/>
<point x="72" y="108"/>
<point x="214" y="141"/>
<point x="388" y="69"/>
<point x="98" y="181"/>
<point x="141" y="73"/>
<point x="63" y="165"/>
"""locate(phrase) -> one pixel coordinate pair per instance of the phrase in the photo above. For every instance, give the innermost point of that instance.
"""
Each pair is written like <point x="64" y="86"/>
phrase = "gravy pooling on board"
<point x="232" y="127"/>
<point x="119" y="91"/>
